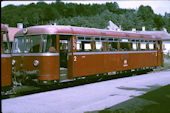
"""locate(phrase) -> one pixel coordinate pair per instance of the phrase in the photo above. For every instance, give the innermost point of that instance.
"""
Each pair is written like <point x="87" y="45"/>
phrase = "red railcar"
<point x="55" y="52"/>
<point x="6" y="66"/>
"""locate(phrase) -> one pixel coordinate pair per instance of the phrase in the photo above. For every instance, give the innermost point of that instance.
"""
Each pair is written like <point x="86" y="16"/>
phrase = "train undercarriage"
<point x="27" y="83"/>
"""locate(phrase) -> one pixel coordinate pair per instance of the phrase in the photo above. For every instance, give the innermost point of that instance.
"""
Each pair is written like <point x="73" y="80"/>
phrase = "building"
<point x="11" y="33"/>
<point x="113" y="27"/>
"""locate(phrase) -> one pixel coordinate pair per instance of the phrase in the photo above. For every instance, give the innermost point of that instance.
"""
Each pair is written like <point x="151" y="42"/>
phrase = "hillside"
<point x="86" y="15"/>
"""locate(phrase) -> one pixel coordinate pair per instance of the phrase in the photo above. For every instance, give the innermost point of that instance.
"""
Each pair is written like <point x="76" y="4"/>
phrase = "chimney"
<point x="133" y="29"/>
<point x="164" y="29"/>
<point x="6" y="25"/>
<point x="120" y="27"/>
<point x="154" y="29"/>
<point x="20" y="25"/>
<point x="143" y="28"/>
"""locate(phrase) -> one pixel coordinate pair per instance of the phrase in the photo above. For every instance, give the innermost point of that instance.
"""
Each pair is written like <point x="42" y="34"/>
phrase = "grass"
<point x="156" y="101"/>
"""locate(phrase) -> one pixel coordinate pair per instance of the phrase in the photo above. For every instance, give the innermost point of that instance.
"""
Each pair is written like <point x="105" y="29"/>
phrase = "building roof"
<point x="11" y="32"/>
<point x="3" y="27"/>
<point x="112" y="26"/>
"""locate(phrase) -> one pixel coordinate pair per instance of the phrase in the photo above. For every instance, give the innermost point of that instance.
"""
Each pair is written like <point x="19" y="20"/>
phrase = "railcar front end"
<point x="36" y="58"/>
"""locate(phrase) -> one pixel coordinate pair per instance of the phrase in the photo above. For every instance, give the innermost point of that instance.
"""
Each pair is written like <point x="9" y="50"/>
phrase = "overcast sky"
<point x="159" y="7"/>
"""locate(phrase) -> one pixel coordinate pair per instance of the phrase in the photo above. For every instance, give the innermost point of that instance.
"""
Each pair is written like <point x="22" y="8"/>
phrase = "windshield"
<point x="35" y="44"/>
<point x="49" y="44"/>
<point x="30" y="44"/>
<point x="18" y="45"/>
<point x="6" y="44"/>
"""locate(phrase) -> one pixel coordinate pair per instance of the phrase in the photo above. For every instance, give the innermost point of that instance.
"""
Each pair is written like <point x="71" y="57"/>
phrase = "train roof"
<point x="72" y="30"/>
<point x="4" y="27"/>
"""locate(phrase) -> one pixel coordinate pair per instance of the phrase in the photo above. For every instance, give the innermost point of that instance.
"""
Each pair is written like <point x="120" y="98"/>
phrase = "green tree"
<point x="112" y="7"/>
<point x="146" y="14"/>
<point x="159" y="22"/>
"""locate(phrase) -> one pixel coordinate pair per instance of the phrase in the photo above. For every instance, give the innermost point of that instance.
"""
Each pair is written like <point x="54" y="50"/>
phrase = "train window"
<point x="116" y="40"/>
<point x="49" y="44"/>
<point x="110" y="39"/>
<point x="143" y="46"/>
<point x="124" y="45"/>
<point x="99" y="46"/>
<point x="4" y="37"/>
<point x="63" y="45"/>
<point x="6" y="44"/>
<point x="151" y="46"/>
<point x="80" y="38"/>
<point x="102" y="39"/>
<point x="97" y="39"/>
<point x="134" y="46"/>
<point x="88" y="38"/>
<point x="112" y="46"/>
<point x="18" y="45"/>
<point x="33" y="44"/>
<point x="27" y="47"/>
<point x="87" y="46"/>
<point x="124" y="40"/>
<point x="79" y="46"/>
<point x="83" y="46"/>
<point x="6" y="48"/>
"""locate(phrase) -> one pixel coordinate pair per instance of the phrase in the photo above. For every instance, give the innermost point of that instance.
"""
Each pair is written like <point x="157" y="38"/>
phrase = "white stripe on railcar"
<point x="37" y="54"/>
<point x="5" y="55"/>
<point x="112" y="52"/>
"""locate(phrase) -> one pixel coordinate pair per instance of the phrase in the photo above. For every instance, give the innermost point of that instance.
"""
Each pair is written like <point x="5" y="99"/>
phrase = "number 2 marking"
<point x="75" y="58"/>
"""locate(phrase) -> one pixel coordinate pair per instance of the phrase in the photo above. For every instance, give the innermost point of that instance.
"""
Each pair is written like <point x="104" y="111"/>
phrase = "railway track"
<point x="21" y="90"/>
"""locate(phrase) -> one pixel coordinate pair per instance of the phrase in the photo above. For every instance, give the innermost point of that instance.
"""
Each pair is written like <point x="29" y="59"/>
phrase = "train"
<point x="6" y="59"/>
<point x="52" y="54"/>
<point x="49" y="54"/>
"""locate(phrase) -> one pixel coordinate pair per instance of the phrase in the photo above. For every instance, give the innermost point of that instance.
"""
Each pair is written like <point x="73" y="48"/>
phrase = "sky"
<point x="158" y="6"/>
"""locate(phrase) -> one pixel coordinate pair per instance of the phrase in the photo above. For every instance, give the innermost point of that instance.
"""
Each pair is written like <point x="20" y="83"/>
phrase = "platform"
<point x="89" y="97"/>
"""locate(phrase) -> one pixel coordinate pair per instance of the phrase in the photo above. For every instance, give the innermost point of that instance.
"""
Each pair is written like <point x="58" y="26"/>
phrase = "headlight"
<point x="13" y="62"/>
<point x="25" y="30"/>
<point x="36" y="62"/>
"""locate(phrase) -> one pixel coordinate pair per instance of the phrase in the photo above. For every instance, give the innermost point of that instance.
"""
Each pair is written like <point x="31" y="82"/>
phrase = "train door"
<point x="64" y="48"/>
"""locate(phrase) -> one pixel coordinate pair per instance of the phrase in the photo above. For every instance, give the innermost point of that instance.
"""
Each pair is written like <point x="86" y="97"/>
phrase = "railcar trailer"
<point x="6" y="66"/>
<point x="50" y="53"/>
